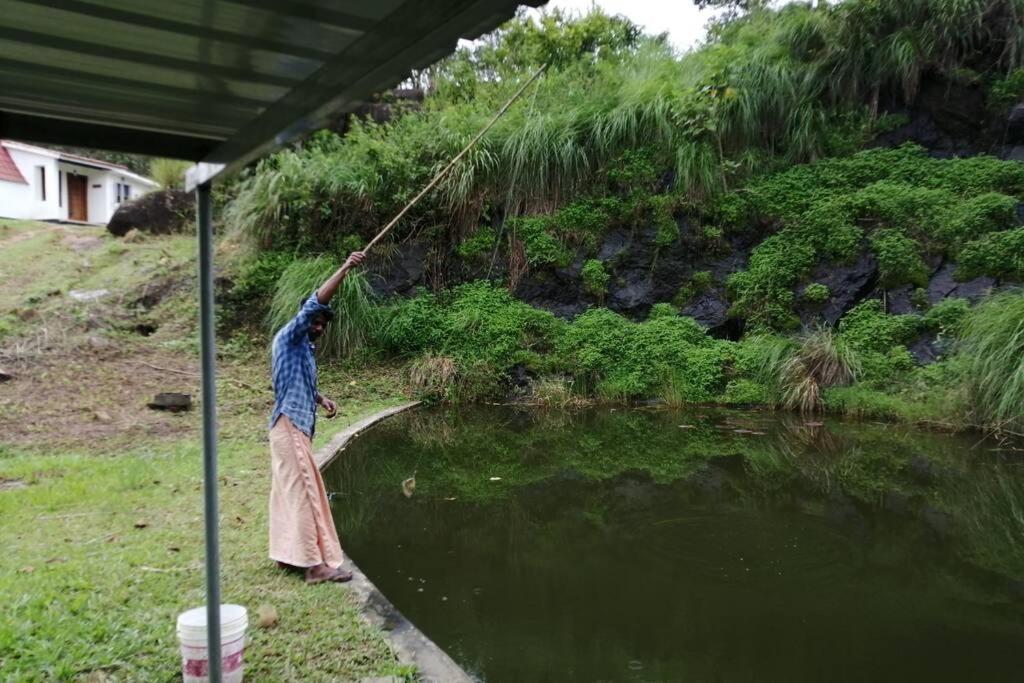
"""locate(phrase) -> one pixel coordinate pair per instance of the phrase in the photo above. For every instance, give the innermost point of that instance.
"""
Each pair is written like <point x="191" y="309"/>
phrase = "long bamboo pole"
<point x="451" y="164"/>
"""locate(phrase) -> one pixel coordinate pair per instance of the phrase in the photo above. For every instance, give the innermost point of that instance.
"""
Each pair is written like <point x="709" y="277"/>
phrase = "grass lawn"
<point x="101" y="498"/>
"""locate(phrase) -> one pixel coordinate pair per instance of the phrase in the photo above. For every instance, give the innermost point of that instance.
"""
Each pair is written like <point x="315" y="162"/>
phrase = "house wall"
<point x="18" y="200"/>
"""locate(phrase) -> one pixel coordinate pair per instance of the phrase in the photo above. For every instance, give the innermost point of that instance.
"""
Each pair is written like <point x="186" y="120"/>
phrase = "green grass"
<point x="354" y="310"/>
<point x="993" y="346"/>
<point x="86" y="589"/>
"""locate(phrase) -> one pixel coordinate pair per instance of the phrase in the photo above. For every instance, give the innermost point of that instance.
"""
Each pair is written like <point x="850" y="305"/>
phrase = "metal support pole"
<point x="204" y="224"/>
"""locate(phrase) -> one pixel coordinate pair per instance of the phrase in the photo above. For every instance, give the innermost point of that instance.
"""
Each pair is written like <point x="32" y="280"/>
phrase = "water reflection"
<point x="704" y="545"/>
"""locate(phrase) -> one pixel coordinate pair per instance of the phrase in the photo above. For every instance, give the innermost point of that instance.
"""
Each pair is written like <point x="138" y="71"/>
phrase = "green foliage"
<point x="541" y="247"/>
<point x="1007" y="91"/>
<point x="170" y="173"/>
<point x="355" y="313"/>
<point x="799" y="372"/>
<point x="816" y="293"/>
<point x="946" y="317"/>
<point x="1000" y="254"/>
<point x="866" y="327"/>
<point x="595" y="278"/>
<point x="618" y="108"/>
<point x="481" y="328"/>
<point x="993" y="349"/>
<point x="662" y="310"/>
<point x="478" y="244"/>
<point x="621" y="359"/>
<point x="899" y="259"/>
<point x="908" y="202"/>
<point x="698" y="283"/>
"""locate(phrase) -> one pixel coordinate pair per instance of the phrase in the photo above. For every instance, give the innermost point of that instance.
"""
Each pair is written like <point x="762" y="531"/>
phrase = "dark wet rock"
<point x="404" y="271"/>
<point x="172" y="402"/>
<point x="559" y="291"/>
<point x="159" y="213"/>
<point x="927" y="349"/>
<point x="848" y="283"/>
<point x="520" y="377"/>
<point x="710" y="309"/>
<point x="898" y="301"/>
<point x="943" y="285"/>
<point x="1015" y="125"/>
<point x="6" y="376"/>
<point x="1012" y="153"/>
<point x="633" y="295"/>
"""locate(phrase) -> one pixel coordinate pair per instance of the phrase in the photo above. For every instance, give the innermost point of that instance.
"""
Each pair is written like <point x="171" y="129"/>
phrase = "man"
<point x="302" y="533"/>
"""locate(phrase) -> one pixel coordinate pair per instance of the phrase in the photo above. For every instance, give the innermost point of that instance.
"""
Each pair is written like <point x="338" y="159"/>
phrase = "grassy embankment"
<point x="101" y="497"/>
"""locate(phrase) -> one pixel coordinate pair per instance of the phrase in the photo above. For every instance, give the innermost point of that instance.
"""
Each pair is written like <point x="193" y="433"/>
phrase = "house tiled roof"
<point x="8" y="171"/>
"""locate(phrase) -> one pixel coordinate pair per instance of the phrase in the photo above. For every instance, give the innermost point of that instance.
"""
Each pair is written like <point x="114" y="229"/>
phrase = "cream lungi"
<point x="302" y="531"/>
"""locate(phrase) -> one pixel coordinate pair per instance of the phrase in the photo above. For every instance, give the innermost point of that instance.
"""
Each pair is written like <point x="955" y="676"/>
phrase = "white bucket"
<point x="192" y="636"/>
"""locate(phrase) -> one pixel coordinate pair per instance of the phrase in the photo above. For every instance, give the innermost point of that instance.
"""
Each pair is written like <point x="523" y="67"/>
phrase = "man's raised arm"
<point x="328" y="288"/>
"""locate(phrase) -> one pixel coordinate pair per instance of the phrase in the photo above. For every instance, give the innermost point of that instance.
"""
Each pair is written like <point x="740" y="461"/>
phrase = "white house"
<point x="46" y="184"/>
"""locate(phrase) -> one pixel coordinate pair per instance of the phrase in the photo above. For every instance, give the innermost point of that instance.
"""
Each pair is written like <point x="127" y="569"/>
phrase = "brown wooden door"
<point x="78" y="191"/>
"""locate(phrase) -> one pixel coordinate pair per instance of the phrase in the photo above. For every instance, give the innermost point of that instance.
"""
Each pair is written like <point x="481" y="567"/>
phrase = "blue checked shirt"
<point x="294" y="369"/>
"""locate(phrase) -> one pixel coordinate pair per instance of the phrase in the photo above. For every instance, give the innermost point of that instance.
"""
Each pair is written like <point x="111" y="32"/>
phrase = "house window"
<point x="41" y="177"/>
<point x="60" y="188"/>
<point x="118" y="193"/>
<point x="127" y="191"/>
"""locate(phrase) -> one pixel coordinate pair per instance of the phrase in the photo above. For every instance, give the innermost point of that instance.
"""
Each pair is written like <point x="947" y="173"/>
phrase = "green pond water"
<point x="661" y="545"/>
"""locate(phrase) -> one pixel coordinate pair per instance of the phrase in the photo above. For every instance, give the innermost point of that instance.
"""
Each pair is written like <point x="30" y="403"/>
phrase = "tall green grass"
<point x="775" y="86"/>
<point x="355" y="312"/>
<point x="170" y="173"/>
<point x="800" y="371"/>
<point x="993" y="348"/>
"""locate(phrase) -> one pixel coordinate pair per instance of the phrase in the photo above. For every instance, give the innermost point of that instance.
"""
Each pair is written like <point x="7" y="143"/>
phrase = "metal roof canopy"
<point x="218" y="82"/>
<point x="213" y="81"/>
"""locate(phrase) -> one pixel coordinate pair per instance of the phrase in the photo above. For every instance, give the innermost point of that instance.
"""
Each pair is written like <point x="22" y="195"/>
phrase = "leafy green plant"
<point x="1000" y="254"/>
<point x="816" y="293"/>
<point x="595" y="278"/>
<point x="947" y="316"/>
<point x="899" y="259"/>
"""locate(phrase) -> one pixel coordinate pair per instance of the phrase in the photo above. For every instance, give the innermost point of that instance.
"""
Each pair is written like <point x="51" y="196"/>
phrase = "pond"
<point x="662" y="545"/>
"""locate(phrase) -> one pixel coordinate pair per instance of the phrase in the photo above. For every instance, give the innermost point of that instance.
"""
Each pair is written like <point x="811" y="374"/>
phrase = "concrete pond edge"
<point x="411" y="645"/>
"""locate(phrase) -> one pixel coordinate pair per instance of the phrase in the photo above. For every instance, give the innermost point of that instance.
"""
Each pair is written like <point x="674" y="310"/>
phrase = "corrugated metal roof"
<point x="8" y="171"/>
<point x="211" y="80"/>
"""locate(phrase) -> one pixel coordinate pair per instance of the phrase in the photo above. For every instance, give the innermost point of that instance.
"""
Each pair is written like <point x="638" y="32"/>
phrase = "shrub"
<point x="595" y="279"/>
<point x="946" y="317"/>
<point x="866" y="327"/>
<point x="662" y="310"/>
<point x="478" y="244"/>
<point x="816" y="293"/>
<point x="899" y="259"/>
<point x="985" y="213"/>
<point x="621" y="359"/>
<point x="993" y="349"/>
<point x="542" y="248"/>
<point x="1007" y="91"/>
<point x="999" y="254"/>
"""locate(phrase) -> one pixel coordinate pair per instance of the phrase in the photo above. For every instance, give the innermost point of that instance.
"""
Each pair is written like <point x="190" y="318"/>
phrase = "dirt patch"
<point x="11" y="484"/>
<point x="82" y="243"/>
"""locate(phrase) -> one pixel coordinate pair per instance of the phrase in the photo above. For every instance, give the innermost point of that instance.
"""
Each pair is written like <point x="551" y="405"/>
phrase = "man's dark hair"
<point x="327" y="313"/>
